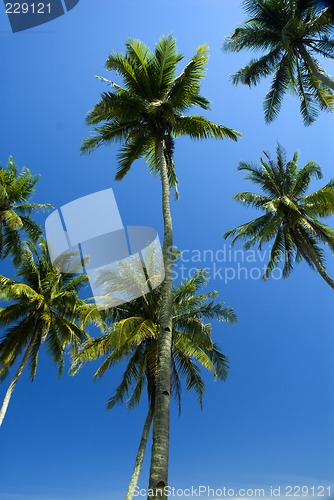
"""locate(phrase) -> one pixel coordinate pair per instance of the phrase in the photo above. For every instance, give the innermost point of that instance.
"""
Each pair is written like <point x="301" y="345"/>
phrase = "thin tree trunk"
<point x="160" y="447"/>
<point x="140" y="455"/>
<point x="13" y="383"/>
<point x="325" y="79"/>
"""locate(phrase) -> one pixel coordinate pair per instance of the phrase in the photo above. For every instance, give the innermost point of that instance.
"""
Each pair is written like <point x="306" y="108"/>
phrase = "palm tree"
<point x="292" y="33"/>
<point x="291" y="215"/>
<point x="133" y="336"/>
<point x="16" y="188"/>
<point x="146" y="115"/>
<point x="44" y="309"/>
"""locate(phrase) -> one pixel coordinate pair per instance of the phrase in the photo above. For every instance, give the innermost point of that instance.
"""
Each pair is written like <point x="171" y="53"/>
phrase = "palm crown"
<point x="15" y="190"/>
<point x="293" y="33"/>
<point x="44" y="309"/>
<point x="150" y="106"/>
<point x="291" y="215"/>
<point x="134" y="332"/>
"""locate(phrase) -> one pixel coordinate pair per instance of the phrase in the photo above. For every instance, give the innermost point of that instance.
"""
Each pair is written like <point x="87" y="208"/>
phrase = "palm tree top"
<point x="16" y="188"/>
<point x="292" y="33"/>
<point x="151" y="104"/>
<point x="43" y="307"/>
<point x="133" y="334"/>
<point x="291" y="216"/>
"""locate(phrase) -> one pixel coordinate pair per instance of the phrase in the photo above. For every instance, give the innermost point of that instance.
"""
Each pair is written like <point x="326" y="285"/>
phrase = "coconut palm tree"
<point x="133" y="336"/>
<point x="44" y="309"/>
<point x="292" y="34"/>
<point x="146" y="114"/>
<point x="291" y="216"/>
<point x="16" y="188"/>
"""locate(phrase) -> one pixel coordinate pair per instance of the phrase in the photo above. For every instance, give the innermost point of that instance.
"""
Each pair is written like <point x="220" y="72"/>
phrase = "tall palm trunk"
<point x="325" y="79"/>
<point x="160" y="448"/>
<point x="140" y="455"/>
<point x="15" y="380"/>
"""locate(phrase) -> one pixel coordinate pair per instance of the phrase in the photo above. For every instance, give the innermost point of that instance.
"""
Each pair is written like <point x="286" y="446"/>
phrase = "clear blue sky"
<point x="271" y="422"/>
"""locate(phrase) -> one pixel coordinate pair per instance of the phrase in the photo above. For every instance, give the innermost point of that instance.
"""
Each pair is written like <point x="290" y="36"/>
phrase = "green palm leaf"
<point x="133" y="335"/>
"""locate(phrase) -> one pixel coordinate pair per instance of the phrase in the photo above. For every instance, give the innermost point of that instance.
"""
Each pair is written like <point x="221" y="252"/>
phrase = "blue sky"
<point x="271" y="422"/>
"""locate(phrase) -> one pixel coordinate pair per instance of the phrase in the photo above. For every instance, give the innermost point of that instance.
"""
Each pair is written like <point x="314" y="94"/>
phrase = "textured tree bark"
<point x="160" y="447"/>
<point x="140" y="456"/>
<point x="325" y="79"/>
<point x="15" y="380"/>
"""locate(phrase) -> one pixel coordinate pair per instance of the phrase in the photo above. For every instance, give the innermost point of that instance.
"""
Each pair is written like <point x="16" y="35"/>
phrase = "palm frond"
<point x="197" y="127"/>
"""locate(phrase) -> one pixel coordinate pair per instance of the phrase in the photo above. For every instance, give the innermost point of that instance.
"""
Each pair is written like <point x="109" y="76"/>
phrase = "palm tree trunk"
<point x="325" y="79"/>
<point x="140" y="456"/>
<point x="160" y="448"/>
<point x="13" y="383"/>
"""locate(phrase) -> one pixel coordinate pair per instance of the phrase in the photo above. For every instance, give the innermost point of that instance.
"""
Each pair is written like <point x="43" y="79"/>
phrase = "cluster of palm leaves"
<point x="15" y="212"/>
<point x="44" y="307"/>
<point x="165" y="336"/>
<point x="292" y="33"/>
<point x="291" y="216"/>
